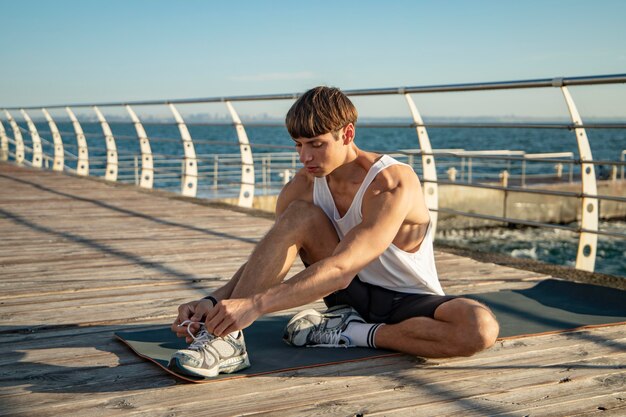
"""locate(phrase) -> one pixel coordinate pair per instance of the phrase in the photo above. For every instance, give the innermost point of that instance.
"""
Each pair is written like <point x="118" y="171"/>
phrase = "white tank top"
<point x="394" y="269"/>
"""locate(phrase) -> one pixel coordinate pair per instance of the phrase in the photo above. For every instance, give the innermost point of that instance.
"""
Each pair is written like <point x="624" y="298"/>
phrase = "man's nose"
<point x="305" y="156"/>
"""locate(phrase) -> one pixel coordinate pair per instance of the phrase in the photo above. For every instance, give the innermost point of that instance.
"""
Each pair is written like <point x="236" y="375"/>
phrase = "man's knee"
<point x="302" y="214"/>
<point x="475" y="326"/>
<point x="308" y="226"/>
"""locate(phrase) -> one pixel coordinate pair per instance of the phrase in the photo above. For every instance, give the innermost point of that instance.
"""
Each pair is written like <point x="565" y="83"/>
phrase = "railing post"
<point x="17" y="136"/>
<point x="587" y="243"/>
<point x="59" y="159"/>
<point x="246" y="192"/>
<point x="147" y="168"/>
<point x="111" y="170"/>
<point x="559" y="170"/>
<point x="215" y="171"/>
<point x="462" y="168"/>
<point x="4" y="144"/>
<point x="37" y="161"/>
<point x="82" y="165"/>
<point x="431" y="194"/>
<point x="504" y="178"/>
<point x="136" y="165"/>
<point x="189" y="180"/>
<point x="264" y="171"/>
<point x="452" y="174"/>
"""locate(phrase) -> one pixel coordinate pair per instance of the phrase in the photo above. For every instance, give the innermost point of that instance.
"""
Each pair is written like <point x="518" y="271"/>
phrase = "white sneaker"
<point x="315" y="329"/>
<point x="207" y="355"/>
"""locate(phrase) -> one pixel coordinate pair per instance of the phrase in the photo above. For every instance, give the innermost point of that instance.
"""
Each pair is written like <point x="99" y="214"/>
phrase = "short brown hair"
<point x="318" y="111"/>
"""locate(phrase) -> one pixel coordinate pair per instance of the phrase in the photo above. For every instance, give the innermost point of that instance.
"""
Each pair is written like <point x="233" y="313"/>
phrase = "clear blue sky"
<point x="69" y="51"/>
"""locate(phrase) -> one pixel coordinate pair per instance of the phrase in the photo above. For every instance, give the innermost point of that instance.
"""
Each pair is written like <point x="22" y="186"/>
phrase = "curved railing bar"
<point x="147" y="165"/>
<point x="82" y="165"/>
<point x="587" y="243"/>
<point x="498" y="85"/>
<point x="434" y="125"/>
<point x="111" y="148"/>
<point x="4" y="144"/>
<point x="59" y="153"/>
<point x="246" y="190"/>
<point x="17" y="137"/>
<point x="37" y="160"/>
<point x="431" y="194"/>
<point x="189" y="180"/>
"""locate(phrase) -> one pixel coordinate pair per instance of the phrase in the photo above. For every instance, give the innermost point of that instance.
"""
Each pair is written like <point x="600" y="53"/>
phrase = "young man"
<point x="359" y="222"/>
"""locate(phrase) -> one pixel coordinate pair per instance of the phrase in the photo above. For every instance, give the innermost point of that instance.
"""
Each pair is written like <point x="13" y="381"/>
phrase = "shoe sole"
<point x="238" y="363"/>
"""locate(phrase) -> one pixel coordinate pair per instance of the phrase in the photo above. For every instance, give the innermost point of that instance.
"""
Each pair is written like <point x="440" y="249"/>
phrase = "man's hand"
<point x="195" y="311"/>
<point x="231" y="315"/>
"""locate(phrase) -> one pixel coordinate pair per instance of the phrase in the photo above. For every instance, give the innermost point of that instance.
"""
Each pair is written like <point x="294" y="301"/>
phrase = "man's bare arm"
<point x="383" y="213"/>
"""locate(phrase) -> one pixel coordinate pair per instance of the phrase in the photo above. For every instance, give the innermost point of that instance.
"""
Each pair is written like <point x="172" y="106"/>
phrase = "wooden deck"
<point x="80" y="259"/>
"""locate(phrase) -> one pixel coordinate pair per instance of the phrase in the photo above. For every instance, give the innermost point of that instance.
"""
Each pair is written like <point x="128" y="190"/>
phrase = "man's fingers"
<point x="230" y="329"/>
<point x="222" y="326"/>
<point x="197" y="316"/>
<point x="202" y="309"/>
<point x="181" y="331"/>
<point x="193" y="328"/>
<point x="214" y="318"/>
<point x="175" y="327"/>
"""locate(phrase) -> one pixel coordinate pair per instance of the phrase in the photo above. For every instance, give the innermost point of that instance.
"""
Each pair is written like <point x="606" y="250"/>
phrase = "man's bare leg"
<point x="461" y="327"/>
<point x="303" y="228"/>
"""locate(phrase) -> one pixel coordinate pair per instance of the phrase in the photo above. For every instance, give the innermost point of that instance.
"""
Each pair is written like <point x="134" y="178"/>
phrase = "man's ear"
<point x="348" y="134"/>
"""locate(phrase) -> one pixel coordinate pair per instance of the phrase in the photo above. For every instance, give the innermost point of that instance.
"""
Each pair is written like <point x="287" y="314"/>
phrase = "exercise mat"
<point x="266" y="350"/>
<point x="550" y="306"/>
<point x="554" y="306"/>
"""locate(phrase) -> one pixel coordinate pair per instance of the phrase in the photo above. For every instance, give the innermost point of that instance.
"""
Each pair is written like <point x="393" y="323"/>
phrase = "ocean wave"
<point x="525" y="253"/>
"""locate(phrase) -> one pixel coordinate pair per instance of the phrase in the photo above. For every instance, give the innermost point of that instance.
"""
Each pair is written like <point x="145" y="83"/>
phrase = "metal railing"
<point x="175" y="162"/>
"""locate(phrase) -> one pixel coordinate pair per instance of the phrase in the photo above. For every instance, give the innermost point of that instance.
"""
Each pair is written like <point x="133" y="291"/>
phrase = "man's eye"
<point x="317" y="144"/>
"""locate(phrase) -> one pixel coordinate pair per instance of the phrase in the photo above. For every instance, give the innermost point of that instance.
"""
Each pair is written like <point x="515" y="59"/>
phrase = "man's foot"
<point x="208" y="355"/>
<point x="312" y="328"/>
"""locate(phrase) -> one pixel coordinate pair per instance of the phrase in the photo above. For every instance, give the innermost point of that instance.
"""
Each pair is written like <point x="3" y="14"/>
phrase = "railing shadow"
<point x="132" y="213"/>
<point x="191" y="279"/>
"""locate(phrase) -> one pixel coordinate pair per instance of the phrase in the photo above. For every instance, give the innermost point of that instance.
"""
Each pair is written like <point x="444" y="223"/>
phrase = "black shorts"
<point x="380" y="305"/>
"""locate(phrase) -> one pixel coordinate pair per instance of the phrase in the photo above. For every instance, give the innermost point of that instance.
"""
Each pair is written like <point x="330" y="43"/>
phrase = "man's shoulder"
<point x="394" y="176"/>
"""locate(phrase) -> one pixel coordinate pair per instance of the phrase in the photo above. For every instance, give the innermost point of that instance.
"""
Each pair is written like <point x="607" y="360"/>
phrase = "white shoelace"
<point x="328" y="338"/>
<point x="199" y="339"/>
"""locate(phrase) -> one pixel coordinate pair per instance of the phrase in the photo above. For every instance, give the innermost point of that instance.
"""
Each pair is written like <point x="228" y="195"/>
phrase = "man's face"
<point x="321" y="154"/>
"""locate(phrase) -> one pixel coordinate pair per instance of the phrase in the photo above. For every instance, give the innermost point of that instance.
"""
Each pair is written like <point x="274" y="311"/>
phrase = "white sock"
<point x="362" y="334"/>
